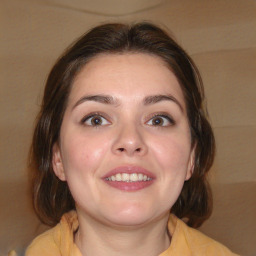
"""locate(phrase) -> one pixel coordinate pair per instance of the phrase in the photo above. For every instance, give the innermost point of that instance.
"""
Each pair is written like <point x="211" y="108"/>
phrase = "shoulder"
<point x="44" y="244"/>
<point x="197" y="243"/>
<point x="56" y="240"/>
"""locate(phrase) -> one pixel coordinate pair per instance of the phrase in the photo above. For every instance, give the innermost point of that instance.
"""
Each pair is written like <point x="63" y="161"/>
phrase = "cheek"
<point x="172" y="152"/>
<point x="83" y="153"/>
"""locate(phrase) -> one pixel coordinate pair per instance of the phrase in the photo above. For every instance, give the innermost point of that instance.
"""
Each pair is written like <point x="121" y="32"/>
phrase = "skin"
<point x="131" y="133"/>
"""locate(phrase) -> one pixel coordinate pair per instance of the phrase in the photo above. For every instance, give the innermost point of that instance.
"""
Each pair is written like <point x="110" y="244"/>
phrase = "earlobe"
<point x="57" y="162"/>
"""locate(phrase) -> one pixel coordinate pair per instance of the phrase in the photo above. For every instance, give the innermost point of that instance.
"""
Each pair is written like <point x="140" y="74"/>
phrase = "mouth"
<point x="129" y="178"/>
<point x="126" y="177"/>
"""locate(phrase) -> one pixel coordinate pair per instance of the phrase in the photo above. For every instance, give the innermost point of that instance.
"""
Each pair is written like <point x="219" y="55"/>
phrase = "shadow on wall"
<point x="233" y="217"/>
<point x="108" y="7"/>
<point x="18" y="222"/>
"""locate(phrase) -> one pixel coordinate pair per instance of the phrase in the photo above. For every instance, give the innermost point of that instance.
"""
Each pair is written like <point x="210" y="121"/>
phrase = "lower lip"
<point x="129" y="186"/>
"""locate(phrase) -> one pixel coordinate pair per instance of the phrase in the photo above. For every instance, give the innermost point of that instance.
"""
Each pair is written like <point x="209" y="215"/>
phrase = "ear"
<point x="57" y="162"/>
<point x="191" y="164"/>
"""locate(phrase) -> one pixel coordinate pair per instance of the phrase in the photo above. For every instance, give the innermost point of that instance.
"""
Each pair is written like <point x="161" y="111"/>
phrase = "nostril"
<point x="130" y="150"/>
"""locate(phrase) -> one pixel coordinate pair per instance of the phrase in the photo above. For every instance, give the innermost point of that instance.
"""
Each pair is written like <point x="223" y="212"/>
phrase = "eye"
<point x="95" y="120"/>
<point x="161" y="120"/>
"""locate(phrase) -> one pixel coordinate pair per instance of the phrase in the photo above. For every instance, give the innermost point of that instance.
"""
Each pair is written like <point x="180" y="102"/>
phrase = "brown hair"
<point x="51" y="196"/>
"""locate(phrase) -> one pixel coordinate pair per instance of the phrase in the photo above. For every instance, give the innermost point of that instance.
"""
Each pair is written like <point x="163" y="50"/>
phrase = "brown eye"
<point x="161" y="120"/>
<point x="157" y="121"/>
<point x="95" y="120"/>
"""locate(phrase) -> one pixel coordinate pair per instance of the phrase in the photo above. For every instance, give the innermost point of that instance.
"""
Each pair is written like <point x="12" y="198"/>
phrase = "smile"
<point x="129" y="178"/>
<point x="126" y="177"/>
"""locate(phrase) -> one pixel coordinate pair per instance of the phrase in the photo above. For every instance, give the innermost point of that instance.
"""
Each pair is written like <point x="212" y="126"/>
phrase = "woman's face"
<point x="125" y="146"/>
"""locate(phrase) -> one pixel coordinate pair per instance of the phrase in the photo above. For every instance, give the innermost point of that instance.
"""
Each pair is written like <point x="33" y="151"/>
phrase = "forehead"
<point x="126" y="75"/>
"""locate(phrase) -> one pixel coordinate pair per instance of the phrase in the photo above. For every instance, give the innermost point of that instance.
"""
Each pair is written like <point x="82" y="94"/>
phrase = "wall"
<point x="220" y="36"/>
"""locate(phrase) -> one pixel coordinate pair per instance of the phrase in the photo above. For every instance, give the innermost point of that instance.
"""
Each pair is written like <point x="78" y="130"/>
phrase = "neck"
<point x="96" y="238"/>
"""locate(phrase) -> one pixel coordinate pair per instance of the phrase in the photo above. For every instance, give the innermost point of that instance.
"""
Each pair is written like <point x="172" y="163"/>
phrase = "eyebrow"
<point x="110" y="100"/>
<point x="105" y="99"/>
<point x="158" y="98"/>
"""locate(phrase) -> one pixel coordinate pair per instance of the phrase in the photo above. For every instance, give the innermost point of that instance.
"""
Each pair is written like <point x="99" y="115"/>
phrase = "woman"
<point x="122" y="148"/>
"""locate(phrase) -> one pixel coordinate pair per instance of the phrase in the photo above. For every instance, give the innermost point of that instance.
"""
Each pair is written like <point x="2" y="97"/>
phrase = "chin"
<point x="130" y="216"/>
<point x="128" y="220"/>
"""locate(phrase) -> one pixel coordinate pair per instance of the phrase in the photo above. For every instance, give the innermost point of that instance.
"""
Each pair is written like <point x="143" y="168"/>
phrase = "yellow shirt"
<point x="186" y="241"/>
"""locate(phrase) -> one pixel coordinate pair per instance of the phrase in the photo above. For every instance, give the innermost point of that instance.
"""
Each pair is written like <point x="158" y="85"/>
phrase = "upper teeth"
<point x="129" y="177"/>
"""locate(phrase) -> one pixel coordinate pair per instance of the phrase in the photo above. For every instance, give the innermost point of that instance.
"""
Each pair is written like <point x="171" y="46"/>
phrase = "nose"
<point x="129" y="141"/>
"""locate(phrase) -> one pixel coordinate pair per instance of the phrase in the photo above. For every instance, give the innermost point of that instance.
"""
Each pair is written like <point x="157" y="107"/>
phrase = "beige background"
<point x="221" y="37"/>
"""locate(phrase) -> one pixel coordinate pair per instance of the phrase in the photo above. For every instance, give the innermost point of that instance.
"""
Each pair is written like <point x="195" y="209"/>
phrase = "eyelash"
<point x="162" y="116"/>
<point x="94" y="115"/>
<point x="101" y="116"/>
